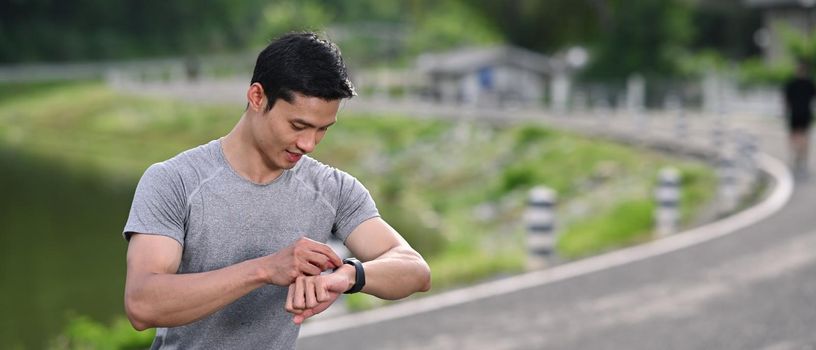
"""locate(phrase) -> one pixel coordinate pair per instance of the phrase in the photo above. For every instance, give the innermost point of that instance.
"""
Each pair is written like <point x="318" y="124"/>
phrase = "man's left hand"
<point x="311" y="295"/>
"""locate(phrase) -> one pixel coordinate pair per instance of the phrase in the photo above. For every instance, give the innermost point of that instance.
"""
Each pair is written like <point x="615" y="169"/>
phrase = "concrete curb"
<point x="776" y="200"/>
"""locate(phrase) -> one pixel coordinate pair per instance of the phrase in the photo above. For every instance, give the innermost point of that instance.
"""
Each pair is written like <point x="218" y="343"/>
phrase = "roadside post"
<point x="540" y="219"/>
<point x="727" y="190"/>
<point x="667" y="196"/>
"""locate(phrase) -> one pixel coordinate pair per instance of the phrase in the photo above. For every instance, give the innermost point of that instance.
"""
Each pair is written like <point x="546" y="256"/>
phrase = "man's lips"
<point x="293" y="157"/>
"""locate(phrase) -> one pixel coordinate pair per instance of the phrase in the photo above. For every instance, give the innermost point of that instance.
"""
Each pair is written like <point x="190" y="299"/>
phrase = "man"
<point x="799" y="92"/>
<point x="226" y="240"/>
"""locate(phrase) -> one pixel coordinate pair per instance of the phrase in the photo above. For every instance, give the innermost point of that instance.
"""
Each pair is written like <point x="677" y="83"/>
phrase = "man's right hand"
<point x="305" y="257"/>
<point x="157" y="296"/>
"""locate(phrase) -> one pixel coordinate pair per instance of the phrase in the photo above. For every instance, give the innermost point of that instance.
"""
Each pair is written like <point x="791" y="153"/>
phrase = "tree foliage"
<point x="544" y="26"/>
<point x="52" y="30"/>
<point x="624" y="36"/>
<point x="644" y="37"/>
<point x="372" y="31"/>
<point x="726" y="26"/>
<point x="650" y="37"/>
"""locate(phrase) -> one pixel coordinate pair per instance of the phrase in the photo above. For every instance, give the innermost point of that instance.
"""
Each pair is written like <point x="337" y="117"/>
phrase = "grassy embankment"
<point x="455" y="190"/>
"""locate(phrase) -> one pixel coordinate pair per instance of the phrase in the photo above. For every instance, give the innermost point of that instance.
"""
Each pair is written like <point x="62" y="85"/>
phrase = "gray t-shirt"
<point x="222" y="219"/>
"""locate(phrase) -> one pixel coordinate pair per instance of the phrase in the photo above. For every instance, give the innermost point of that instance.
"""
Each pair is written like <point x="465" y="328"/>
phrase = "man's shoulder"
<point x="196" y="157"/>
<point x="190" y="163"/>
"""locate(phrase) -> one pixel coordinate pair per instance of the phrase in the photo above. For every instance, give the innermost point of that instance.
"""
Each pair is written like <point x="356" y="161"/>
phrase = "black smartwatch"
<point x="359" y="273"/>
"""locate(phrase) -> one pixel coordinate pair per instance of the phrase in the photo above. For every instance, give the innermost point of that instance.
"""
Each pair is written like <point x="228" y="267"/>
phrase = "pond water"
<point x="61" y="248"/>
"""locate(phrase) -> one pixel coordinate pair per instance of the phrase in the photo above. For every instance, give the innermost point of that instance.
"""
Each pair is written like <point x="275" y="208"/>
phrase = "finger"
<point x="320" y="260"/>
<point x="322" y="306"/>
<point x="311" y="300"/>
<point x="298" y="302"/>
<point x="289" y="297"/>
<point x="308" y="268"/>
<point x="320" y="291"/>
<point x="298" y="319"/>
<point x="334" y="259"/>
<point x="325" y="250"/>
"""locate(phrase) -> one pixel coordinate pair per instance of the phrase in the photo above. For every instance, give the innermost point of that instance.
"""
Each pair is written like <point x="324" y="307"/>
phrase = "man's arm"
<point x="155" y="296"/>
<point x="393" y="270"/>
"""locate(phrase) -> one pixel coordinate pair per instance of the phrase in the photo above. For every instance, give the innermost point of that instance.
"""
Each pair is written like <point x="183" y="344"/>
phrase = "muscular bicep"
<point x="152" y="254"/>
<point x="373" y="238"/>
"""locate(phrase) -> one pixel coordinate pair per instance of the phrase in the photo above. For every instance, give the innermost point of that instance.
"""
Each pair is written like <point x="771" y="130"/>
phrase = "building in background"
<point x="799" y="15"/>
<point x="497" y="76"/>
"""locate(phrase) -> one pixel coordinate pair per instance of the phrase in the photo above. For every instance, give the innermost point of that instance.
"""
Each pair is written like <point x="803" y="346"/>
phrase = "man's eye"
<point x="298" y="127"/>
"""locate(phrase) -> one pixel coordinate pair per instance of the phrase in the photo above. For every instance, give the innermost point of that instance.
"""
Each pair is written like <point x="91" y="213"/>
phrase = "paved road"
<point x="752" y="289"/>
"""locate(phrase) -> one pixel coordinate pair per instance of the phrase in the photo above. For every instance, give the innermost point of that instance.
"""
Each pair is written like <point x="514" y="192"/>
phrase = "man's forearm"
<point x="167" y="300"/>
<point x="397" y="274"/>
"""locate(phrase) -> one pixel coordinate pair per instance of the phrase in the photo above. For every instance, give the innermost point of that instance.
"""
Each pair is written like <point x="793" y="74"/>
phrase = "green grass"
<point x="624" y="224"/>
<point x="87" y="126"/>
<point x="73" y="153"/>
<point x="85" y="333"/>
<point x="630" y="221"/>
<point x="10" y="92"/>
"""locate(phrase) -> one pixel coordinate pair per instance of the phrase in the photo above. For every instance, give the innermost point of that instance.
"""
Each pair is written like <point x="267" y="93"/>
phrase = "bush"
<point x="84" y="333"/>
<point x="754" y="71"/>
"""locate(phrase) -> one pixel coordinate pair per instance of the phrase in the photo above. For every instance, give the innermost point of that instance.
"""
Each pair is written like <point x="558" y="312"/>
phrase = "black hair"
<point x="302" y="63"/>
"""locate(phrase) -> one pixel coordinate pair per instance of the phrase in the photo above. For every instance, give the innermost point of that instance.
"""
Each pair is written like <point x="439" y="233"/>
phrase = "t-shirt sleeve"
<point x="159" y="205"/>
<point x="354" y="207"/>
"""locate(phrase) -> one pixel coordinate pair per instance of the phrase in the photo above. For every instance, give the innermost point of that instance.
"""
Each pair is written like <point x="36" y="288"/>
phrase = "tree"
<point x="52" y="30"/>
<point x="543" y="26"/>
<point x="644" y="37"/>
<point x="726" y="26"/>
<point x="372" y="32"/>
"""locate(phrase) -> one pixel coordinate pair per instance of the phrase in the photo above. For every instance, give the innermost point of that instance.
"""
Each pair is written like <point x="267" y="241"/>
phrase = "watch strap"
<point x="359" y="274"/>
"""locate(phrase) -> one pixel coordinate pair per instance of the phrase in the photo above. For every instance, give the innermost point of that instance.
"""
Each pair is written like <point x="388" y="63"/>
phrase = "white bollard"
<point x="540" y="219"/>
<point x="680" y="123"/>
<point x="667" y="196"/>
<point x="728" y="196"/>
<point x="673" y="105"/>
<point x="747" y="151"/>
<point x="636" y="103"/>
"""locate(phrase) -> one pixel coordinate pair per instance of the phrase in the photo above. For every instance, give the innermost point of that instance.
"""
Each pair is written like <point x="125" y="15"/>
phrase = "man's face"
<point x="289" y="130"/>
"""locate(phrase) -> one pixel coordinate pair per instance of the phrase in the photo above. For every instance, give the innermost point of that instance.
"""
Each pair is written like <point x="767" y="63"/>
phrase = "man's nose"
<point x="307" y="142"/>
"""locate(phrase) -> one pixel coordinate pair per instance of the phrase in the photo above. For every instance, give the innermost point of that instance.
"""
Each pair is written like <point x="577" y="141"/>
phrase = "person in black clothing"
<point x="799" y="92"/>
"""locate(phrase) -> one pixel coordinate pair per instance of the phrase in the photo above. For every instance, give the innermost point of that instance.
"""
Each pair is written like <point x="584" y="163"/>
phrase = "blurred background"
<point x="92" y="92"/>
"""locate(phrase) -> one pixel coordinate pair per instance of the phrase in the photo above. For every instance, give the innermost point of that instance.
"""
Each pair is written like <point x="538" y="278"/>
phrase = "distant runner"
<point x="799" y="93"/>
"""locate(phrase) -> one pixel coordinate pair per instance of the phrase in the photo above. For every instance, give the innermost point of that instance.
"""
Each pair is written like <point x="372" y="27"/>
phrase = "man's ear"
<point x="256" y="98"/>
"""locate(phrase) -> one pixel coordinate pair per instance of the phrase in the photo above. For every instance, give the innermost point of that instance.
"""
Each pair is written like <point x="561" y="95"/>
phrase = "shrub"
<point x="87" y="334"/>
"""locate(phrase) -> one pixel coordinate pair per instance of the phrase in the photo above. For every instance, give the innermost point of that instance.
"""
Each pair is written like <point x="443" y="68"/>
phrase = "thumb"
<point x="299" y="318"/>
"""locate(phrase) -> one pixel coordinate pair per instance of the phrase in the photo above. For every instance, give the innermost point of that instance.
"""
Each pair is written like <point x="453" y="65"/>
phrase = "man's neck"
<point x="244" y="156"/>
